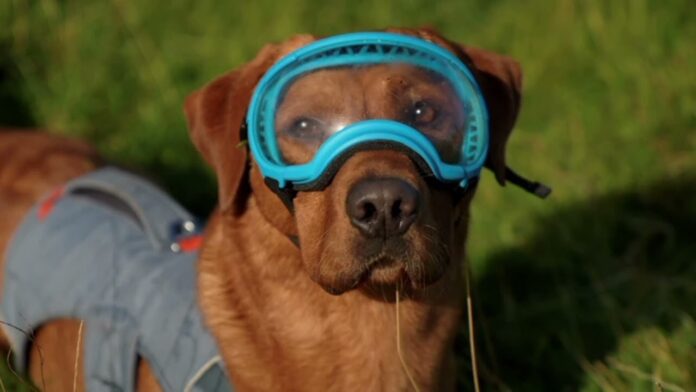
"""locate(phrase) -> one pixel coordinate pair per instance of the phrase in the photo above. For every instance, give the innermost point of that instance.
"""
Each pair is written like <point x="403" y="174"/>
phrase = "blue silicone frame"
<point x="410" y="49"/>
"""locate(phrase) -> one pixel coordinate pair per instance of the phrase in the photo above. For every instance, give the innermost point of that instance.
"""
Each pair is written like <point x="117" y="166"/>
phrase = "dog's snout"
<point x="384" y="207"/>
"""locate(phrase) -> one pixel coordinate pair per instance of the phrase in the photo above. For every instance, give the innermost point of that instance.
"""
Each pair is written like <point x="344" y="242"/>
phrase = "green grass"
<point x="593" y="289"/>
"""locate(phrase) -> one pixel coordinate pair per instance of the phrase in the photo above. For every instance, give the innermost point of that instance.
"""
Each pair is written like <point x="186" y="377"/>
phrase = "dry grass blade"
<point x="470" y="320"/>
<point x="2" y="385"/>
<point x="634" y="371"/>
<point x="398" y="346"/>
<point x="77" y="355"/>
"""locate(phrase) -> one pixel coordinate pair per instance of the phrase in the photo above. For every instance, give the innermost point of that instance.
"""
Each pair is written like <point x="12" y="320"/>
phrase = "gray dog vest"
<point x="114" y="251"/>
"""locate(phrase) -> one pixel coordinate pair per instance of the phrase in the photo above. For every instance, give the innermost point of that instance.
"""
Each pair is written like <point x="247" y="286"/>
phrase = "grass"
<point x="590" y="290"/>
<point x="597" y="287"/>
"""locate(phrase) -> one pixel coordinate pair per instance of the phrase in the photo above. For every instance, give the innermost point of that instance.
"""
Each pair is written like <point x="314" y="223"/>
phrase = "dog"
<point x="298" y="296"/>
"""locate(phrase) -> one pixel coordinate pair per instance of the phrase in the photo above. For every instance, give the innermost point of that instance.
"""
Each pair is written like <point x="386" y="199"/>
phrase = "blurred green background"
<point x="593" y="289"/>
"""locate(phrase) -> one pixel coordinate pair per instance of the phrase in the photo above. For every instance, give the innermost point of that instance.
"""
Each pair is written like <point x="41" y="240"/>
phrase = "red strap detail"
<point x="47" y="206"/>
<point x="191" y="243"/>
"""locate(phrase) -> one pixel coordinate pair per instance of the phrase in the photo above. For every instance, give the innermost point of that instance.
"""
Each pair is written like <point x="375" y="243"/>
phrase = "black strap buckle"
<point x="535" y="188"/>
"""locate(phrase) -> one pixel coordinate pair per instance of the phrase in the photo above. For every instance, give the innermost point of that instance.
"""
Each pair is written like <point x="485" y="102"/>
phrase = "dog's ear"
<point x="500" y="78"/>
<point x="216" y="116"/>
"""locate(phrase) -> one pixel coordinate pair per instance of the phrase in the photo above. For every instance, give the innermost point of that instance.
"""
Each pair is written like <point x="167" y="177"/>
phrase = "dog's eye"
<point x="306" y="128"/>
<point x="423" y="113"/>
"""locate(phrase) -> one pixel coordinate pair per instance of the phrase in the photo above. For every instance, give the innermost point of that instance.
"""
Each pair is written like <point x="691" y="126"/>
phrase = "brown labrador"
<point x="320" y="315"/>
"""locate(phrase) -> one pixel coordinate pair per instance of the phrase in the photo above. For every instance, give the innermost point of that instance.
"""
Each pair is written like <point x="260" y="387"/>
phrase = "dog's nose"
<point x="382" y="207"/>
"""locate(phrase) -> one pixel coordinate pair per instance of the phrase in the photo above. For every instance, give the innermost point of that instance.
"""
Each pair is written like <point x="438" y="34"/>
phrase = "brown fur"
<point x="321" y="317"/>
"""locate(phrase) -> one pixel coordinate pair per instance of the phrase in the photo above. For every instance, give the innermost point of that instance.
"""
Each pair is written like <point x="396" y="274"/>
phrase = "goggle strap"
<point x="287" y="196"/>
<point x="535" y="188"/>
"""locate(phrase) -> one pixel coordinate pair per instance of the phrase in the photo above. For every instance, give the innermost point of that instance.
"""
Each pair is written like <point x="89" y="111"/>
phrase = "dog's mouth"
<point x="383" y="269"/>
<point x="394" y="266"/>
<point x="380" y="272"/>
<point x="388" y="269"/>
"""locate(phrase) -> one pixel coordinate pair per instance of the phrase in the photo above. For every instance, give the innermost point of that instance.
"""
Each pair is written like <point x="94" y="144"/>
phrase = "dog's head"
<point x="379" y="222"/>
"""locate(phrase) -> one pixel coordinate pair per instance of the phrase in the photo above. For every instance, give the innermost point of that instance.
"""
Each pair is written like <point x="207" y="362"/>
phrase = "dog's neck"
<point x="278" y="330"/>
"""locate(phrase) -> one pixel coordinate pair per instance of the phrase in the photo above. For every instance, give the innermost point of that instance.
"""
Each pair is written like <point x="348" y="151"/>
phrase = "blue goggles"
<point x="367" y="90"/>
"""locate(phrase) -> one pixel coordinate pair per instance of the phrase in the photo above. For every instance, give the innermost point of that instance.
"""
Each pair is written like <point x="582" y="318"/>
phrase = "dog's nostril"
<point x="382" y="207"/>
<point x="404" y="208"/>
<point x="368" y="211"/>
<point x="396" y="209"/>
